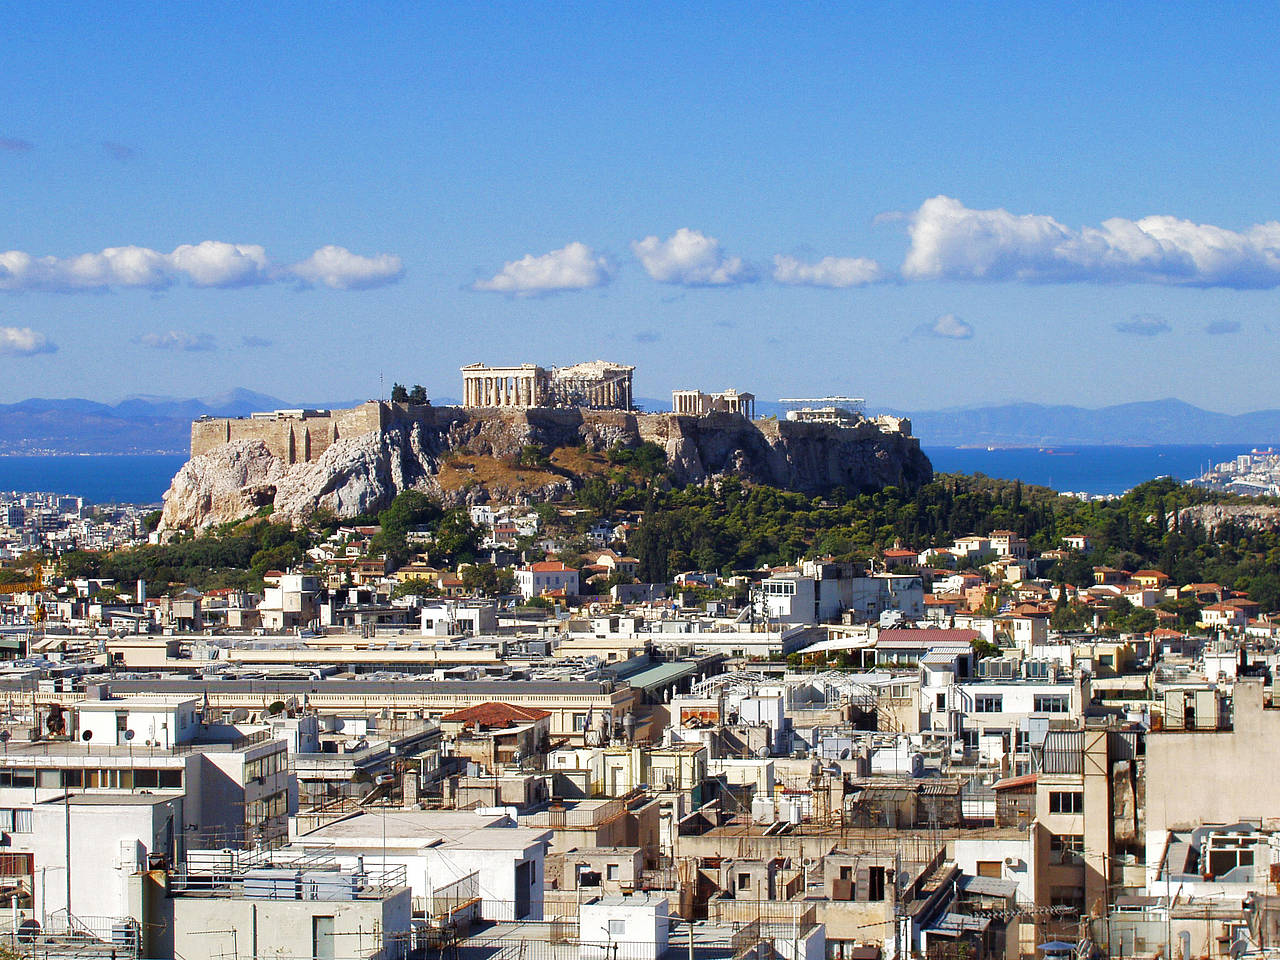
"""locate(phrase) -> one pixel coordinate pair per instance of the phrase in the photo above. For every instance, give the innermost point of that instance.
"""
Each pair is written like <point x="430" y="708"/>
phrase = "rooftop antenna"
<point x="382" y="388"/>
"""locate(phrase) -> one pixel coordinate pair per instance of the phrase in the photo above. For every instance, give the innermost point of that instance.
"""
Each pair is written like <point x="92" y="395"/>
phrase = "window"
<point x="875" y="884"/>
<point x="611" y="872"/>
<point x="16" y="864"/>
<point x="146" y="778"/>
<point x="24" y="778"/>
<point x="579" y="721"/>
<point x="617" y="928"/>
<point x="1021" y="740"/>
<point x="1071" y="897"/>
<point x="170" y="779"/>
<point x="1066" y="801"/>
<point x="1066" y="848"/>
<point x="744" y="881"/>
<point x="942" y="701"/>
<point x="988" y="703"/>
<point x="22" y="821"/>
<point x="1055" y="703"/>
<point x="991" y="868"/>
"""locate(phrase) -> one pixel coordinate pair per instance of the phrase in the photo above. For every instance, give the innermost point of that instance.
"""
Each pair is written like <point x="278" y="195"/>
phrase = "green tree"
<point x="456" y="537"/>
<point x="418" y="395"/>
<point x="399" y="394"/>
<point x="414" y="587"/>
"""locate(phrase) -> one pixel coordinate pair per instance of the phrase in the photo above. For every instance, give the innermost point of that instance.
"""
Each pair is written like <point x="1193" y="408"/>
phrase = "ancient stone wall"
<point x="300" y="438"/>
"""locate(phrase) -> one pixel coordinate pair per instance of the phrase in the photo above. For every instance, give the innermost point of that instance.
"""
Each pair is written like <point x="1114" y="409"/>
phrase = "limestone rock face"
<point x="1212" y="516"/>
<point x="223" y="486"/>
<point x="362" y="474"/>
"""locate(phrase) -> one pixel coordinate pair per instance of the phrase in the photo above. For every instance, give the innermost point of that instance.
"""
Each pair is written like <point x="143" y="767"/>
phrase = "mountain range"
<point x="152" y="424"/>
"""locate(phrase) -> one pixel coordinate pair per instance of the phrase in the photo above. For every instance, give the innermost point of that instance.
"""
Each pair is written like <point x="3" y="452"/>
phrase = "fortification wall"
<point x="298" y="439"/>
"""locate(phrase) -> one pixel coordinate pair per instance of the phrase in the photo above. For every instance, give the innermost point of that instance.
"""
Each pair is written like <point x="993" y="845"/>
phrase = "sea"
<point x="1095" y="470"/>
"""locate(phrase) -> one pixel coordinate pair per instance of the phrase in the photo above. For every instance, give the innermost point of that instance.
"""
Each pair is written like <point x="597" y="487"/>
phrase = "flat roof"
<point x="659" y="674"/>
<point x="116" y="799"/>
<point x="159" y="702"/>
<point x="426" y="828"/>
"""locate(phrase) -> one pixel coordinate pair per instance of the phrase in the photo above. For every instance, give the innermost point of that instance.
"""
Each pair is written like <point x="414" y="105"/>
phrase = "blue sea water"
<point x="1095" y="470"/>
<point x="143" y="478"/>
<point x="109" y="478"/>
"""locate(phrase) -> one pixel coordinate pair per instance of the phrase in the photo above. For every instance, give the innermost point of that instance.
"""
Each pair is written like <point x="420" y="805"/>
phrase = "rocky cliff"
<point x="466" y="456"/>
<point x="1213" y="516"/>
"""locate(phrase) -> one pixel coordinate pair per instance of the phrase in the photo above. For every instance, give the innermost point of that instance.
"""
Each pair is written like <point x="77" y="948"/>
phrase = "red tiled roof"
<point x="495" y="714"/>
<point x="550" y="566"/>
<point x="1013" y="783"/>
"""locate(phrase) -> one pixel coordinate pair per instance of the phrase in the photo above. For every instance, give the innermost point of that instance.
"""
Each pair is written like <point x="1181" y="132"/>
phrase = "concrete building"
<point x="627" y="927"/>
<point x="546" y="576"/>
<point x="292" y="601"/>
<point x="438" y="848"/>
<point x="280" y="904"/>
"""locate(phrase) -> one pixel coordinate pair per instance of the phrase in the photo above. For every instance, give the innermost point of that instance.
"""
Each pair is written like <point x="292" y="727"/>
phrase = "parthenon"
<point x="596" y="385"/>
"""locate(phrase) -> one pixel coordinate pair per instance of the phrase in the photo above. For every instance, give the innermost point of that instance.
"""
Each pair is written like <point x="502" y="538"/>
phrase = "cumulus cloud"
<point x="340" y="269"/>
<point x="211" y="263"/>
<point x="217" y="264"/>
<point x="951" y="242"/>
<point x="946" y="327"/>
<point x="24" y="342"/>
<point x="16" y="145"/>
<point x="177" y="340"/>
<point x="827" y="272"/>
<point x="1143" y="325"/>
<point x="1218" y="327"/>
<point x="573" y="267"/>
<point x="691" y="259"/>
<point x="256" y="342"/>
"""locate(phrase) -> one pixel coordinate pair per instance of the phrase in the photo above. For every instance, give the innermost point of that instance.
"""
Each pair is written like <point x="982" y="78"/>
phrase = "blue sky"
<point x="927" y="205"/>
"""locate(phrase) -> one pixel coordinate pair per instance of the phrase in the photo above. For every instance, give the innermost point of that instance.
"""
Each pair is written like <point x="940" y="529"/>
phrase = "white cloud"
<point x="217" y="264"/>
<point x="1217" y="328"/>
<point x="24" y="342"/>
<point x="690" y="258"/>
<point x="573" y="267"/>
<point x="340" y="269"/>
<point x="211" y="263"/>
<point x="947" y="327"/>
<point x="177" y="340"/>
<point x="827" y="272"/>
<point x="951" y="242"/>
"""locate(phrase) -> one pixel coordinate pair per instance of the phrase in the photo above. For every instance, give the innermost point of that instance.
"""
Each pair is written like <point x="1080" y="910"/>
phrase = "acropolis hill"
<point x="356" y="460"/>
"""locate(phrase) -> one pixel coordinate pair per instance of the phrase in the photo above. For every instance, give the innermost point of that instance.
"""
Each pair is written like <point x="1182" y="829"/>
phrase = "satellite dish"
<point x="87" y="736"/>
<point x="762" y="752"/>
<point x="239" y="715"/>
<point x="128" y="734"/>
<point x="5" y="736"/>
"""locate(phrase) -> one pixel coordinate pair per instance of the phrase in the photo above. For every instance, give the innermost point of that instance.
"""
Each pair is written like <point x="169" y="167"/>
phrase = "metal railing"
<point x="448" y="899"/>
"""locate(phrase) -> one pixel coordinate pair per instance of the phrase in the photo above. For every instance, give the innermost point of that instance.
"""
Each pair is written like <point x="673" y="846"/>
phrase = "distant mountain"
<point x="137" y="424"/>
<point x="163" y="424"/>
<point x="1149" y="422"/>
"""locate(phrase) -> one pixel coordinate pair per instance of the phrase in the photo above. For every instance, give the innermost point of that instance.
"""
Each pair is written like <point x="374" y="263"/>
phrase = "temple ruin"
<point x="596" y="385"/>
<point x="695" y="403"/>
